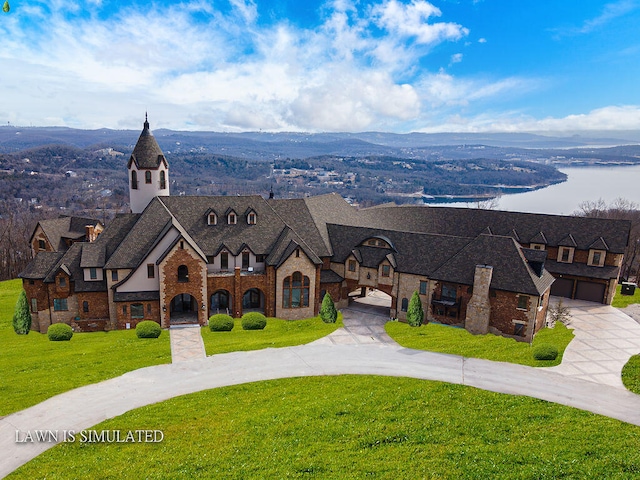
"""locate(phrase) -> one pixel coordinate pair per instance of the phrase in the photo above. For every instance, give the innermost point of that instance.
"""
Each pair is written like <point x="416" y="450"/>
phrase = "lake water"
<point x="583" y="184"/>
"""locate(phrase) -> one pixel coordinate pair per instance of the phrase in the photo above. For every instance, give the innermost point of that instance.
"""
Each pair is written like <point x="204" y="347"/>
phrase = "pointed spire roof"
<point x="147" y="153"/>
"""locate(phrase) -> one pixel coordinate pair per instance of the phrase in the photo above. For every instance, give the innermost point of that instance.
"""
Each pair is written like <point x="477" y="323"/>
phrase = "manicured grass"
<point x="631" y="374"/>
<point x="353" y="427"/>
<point x="622" y="301"/>
<point x="457" y="341"/>
<point x="34" y="369"/>
<point x="277" y="333"/>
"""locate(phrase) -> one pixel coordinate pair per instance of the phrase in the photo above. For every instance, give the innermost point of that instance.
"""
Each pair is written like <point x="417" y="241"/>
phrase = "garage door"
<point x="593" y="292"/>
<point x="562" y="287"/>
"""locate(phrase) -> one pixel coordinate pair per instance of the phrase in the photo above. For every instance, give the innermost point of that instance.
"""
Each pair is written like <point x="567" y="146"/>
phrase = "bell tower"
<point x="148" y="171"/>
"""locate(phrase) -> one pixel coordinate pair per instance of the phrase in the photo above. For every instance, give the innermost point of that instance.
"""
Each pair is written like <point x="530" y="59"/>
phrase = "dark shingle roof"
<point x="135" y="296"/>
<point x="582" y="270"/>
<point x="58" y="229"/>
<point x="530" y="227"/>
<point x="511" y="271"/>
<point x="147" y="153"/>
<point x="41" y="265"/>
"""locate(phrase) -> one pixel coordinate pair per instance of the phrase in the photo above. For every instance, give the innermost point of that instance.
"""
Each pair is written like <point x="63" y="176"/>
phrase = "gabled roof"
<point x="41" y="265"/>
<point x="599" y="244"/>
<point x="531" y="227"/>
<point x="568" y="241"/>
<point x="58" y="229"/>
<point x="147" y="154"/>
<point x="511" y="271"/>
<point x="69" y="263"/>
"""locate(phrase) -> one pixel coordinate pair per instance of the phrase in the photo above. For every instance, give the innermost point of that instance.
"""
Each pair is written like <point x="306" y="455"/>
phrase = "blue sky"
<point x="308" y="65"/>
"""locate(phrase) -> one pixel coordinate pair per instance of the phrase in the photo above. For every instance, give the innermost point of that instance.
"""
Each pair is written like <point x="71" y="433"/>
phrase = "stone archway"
<point x="183" y="309"/>
<point x="221" y="302"/>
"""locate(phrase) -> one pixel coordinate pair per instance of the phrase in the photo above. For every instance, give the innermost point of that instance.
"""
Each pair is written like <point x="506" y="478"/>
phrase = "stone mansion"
<point x="181" y="259"/>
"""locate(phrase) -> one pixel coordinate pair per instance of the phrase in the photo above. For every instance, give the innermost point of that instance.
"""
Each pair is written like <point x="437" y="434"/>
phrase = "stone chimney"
<point x="90" y="233"/>
<point x="479" y="307"/>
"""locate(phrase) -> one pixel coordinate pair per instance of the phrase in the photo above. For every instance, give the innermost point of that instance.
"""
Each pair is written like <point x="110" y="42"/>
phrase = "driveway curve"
<point x="149" y="385"/>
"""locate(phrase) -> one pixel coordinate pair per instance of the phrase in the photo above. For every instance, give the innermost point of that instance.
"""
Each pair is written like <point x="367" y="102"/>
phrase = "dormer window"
<point x="537" y="246"/>
<point x="565" y="254"/>
<point x="212" y="219"/>
<point x="251" y="218"/>
<point x="596" y="258"/>
<point x="232" y="218"/>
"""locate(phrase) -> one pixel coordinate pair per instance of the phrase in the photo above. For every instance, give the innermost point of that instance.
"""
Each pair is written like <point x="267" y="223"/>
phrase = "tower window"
<point x="183" y="274"/>
<point x="147" y="177"/>
<point x="163" y="180"/>
<point x="134" y="180"/>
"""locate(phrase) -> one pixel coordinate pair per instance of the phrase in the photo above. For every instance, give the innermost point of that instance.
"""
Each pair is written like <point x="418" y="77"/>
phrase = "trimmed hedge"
<point x="59" y="332"/>
<point x="220" y="322"/>
<point x="254" y="321"/>
<point x="148" y="329"/>
<point x="545" y="351"/>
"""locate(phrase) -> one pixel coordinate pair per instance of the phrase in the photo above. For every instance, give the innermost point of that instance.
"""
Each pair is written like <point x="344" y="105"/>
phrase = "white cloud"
<point x="455" y="58"/>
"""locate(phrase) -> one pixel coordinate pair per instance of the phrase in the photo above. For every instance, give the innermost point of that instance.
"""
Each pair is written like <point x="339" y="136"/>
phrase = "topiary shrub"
<point x="22" y="315"/>
<point x="328" y="312"/>
<point x="253" y="321"/>
<point x="148" y="329"/>
<point x="59" y="332"/>
<point x="220" y="322"/>
<point x="545" y="351"/>
<point x="415" y="313"/>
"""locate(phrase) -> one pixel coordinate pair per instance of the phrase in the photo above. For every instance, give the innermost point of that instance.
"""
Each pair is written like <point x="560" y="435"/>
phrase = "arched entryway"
<point x="184" y="309"/>
<point x="220" y="302"/>
<point x="371" y="300"/>
<point x="253" y="301"/>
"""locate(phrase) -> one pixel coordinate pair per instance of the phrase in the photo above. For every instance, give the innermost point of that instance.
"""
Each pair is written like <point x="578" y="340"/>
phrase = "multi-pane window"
<point x="147" y="177"/>
<point x="232" y="219"/>
<point x="224" y="261"/>
<point x="93" y="273"/>
<point x="352" y="265"/>
<point x="134" y="180"/>
<point x="519" y="329"/>
<point x="85" y="306"/>
<point x="449" y="292"/>
<point x="137" y="310"/>
<point x="213" y="219"/>
<point x="565" y="254"/>
<point x="386" y="270"/>
<point x="151" y="270"/>
<point x="163" y="180"/>
<point x="251" y="218"/>
<point x="523" y="302"/>
<point x="60" y="304"/>
<point x="260" y="258"/>
<point x="245" y="260"/>
<point x="423" y="287"/>
<point x="42" y="245"/>
<point x="295" y="291"/>
<point x="114" y="275"/>
<point x="405" y="304"/>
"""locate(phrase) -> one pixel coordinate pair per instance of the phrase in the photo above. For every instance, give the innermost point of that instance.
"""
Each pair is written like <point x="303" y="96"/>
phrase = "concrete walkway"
<point x="186" y="343"/>
<point x="589" y="377"/>
<point x="605" y="339"/>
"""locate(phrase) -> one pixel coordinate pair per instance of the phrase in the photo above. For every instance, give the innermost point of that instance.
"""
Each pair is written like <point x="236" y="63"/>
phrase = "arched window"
<point x="163" y="180"/>
<point x="405" y="304"/>
<point x="85" y="306"/>
<point x="295" y="291"/>
<point x="147" y="177"/>
<point x="183" y="274"/>
<point x="134" y="180"/>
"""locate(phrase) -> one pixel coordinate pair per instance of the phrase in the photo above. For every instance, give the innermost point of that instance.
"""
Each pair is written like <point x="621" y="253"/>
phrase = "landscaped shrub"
<point x="545" y="351"/>
<point x="415" y="313"/>
<point x="220" y="322"/>
<point x="59" y="332"/>
<point x="148" y="329"/>
<point x="328" y="312"/>
<point x="253" y="321"/>
<point x="22" y="315"/>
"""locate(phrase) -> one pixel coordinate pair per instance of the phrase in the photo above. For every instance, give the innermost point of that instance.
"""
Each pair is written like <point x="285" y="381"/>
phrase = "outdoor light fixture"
<point x="164" y="308"/>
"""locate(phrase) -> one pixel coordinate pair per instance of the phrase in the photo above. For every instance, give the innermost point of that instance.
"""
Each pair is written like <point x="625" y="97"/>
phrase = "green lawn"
<point x="631" y="374"/>
<point x="277" y="333"/>
<point x="34" y="369"/>
<point x="457" y="341"/>
<point x="622" y="301"/>
<point x="353" y="427"/>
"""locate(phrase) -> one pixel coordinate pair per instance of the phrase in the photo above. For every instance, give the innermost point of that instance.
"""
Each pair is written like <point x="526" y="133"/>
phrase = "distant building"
<point x="179" y="259"/>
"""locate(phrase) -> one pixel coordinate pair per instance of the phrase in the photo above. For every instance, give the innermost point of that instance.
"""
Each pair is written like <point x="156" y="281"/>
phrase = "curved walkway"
<point x="149" y="385"/>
